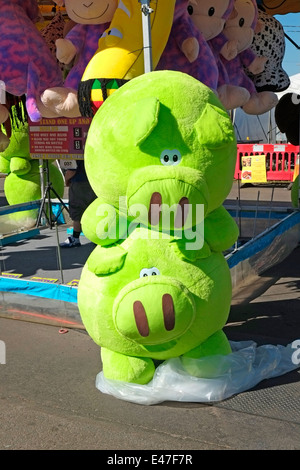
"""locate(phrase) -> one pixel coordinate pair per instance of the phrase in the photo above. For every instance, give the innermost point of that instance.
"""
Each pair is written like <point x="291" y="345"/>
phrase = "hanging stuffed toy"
<point x="26" y="63"/>
<point x="53" y="31"/>
<point x="76" y="49"/>
<point x="187" y="50"/>
<point x="120" y="53"/>
<point x="168" y="150"/>
<point x="287" y="116"/>
<point x="209" y="17"/>
<point x="242" y="28"/>
<point x="270" y="42"/>
<point x="4" y="140"/>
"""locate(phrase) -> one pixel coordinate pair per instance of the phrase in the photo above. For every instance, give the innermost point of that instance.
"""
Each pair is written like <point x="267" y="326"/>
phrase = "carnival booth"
<point x="144" y="94"/>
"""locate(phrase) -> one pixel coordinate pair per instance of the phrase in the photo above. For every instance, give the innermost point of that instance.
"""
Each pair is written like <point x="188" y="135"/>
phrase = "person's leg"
<point x="76" y="228"/>
<point x="75" y="214"/>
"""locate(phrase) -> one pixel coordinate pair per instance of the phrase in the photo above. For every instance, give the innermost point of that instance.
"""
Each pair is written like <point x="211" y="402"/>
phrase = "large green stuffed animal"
<point x="145" y="299"/>
<point x="158" y="147"/>
<point x="149" y="294"/>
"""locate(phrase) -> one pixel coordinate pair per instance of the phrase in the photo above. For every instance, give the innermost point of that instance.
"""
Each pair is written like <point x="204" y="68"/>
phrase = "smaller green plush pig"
<point x="145" y="300"/>
<point x="23" y="182"/>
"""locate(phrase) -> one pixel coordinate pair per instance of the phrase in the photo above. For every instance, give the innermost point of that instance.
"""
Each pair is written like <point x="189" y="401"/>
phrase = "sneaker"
<point x="70" y="242"/>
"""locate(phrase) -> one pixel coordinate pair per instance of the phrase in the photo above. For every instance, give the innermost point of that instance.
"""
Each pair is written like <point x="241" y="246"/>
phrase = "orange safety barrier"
<point x="281" y="160"/>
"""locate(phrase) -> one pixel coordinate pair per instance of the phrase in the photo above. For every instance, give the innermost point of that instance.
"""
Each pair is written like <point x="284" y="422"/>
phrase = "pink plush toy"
<point x="209" y="17"/>
<point x="26" y="63"/>
<point x="242" y="28"/>
<point x="187" y="50"/>
<point x="79" y="45"/>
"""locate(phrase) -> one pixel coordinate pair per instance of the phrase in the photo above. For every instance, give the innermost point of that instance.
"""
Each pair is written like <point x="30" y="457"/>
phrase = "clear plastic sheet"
<point x="241" y="370"/>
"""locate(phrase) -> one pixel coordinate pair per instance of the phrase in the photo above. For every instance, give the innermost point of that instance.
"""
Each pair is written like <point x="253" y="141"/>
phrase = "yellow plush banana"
<point x="120" y="54"/>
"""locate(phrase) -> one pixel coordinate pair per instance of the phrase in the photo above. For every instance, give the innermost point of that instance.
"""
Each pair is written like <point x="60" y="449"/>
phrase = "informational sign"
<point x="74" y="282"/>
<point x="254" y="169"/>
<point x="12" y="275"/>
<point x="48" y="280"/>
<point x="58" y="138"/>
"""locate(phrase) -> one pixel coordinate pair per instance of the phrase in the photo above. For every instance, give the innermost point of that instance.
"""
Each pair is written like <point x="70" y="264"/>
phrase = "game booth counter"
<point x="155" y="305"/>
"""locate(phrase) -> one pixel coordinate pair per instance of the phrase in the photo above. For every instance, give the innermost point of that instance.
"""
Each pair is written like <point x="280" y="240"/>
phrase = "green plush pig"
<point x="158" y="148"/>
<point x="145" y="300"/>
<point x="22" y="183"/>
<point x="16" y="157"/>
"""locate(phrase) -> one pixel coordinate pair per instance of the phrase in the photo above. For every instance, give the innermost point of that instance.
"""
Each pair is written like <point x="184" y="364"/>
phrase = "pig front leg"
<point x="116" y="366"/>
<point x="213" y="351"/>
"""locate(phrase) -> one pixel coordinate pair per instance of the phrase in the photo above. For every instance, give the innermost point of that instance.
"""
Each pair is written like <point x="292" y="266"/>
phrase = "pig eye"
<point x="170" y="157"/>
<point x="149" y="272"/>
<point x="295" y="98"/>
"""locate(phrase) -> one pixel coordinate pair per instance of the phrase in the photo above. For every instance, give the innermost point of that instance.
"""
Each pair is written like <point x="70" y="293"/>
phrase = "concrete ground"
<point x="49" y="400"/>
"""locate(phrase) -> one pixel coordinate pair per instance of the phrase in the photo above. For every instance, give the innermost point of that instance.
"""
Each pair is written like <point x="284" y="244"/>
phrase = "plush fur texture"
<point x="287" y="115"/>
<point x="202" y="65"/>
<point x="242" y="28"/>
<point x="270" y="42"/>
<point x="149" y="295"/>
<point x="26" y="63"/>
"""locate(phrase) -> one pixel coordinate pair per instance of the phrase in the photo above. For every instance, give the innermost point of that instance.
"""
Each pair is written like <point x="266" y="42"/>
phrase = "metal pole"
<point x="59" y="254"/>
<point x="271" y="202"/>
<point x="146" y="23"/>
<point x="254" y="227"/>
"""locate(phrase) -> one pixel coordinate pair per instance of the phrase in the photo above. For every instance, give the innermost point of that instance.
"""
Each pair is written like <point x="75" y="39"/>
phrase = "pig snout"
<point x="141" y="316"/>
<point x="153" y="311"/>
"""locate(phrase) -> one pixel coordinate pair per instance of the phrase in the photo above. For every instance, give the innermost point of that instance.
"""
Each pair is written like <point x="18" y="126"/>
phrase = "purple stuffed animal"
<point x="187" y="51"/>
<point x="242" y="28"/>
<point x="26" y="63"/>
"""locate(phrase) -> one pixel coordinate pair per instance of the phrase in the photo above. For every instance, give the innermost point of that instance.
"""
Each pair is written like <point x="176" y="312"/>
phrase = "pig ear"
<point x="214" y="128"/>
<point x="106" y="260"/>
<point x="146" y="118"/>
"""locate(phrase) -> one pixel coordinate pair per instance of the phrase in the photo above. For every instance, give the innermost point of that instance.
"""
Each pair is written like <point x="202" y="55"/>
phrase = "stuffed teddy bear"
<point x="121" y="51"/>
<point x="187" y="50"/>
<point x="270" y="42"/>
<point x="26" y="63"/>
<point x="158" y="149"/>
<point x="242" y="28"/>
<point x="146" y="300"/>
<point x="209" y="17"/>
<point x="77" y="48"/>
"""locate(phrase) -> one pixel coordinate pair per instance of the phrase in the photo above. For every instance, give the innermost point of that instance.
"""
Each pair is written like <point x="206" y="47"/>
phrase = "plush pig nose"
<point x="154" y="213"/>
<point x="153" y="310"/>
<point x="141" y="317"/>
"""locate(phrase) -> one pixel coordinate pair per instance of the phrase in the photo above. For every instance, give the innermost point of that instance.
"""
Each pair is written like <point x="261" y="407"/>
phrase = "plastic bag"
<point x="245" y="367"/>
